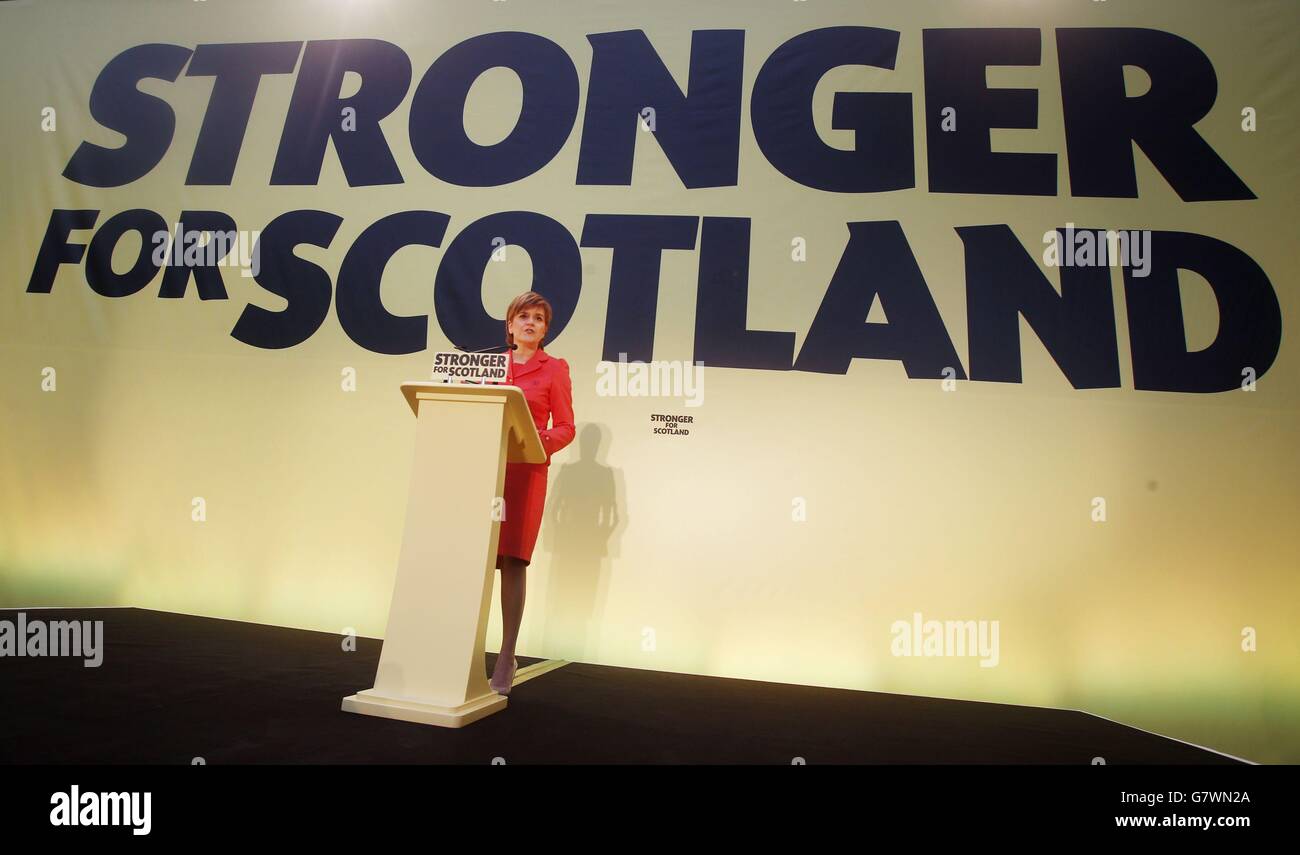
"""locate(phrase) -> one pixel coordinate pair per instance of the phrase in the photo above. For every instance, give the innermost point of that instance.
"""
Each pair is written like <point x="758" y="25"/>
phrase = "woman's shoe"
<point x="505" y="689"/>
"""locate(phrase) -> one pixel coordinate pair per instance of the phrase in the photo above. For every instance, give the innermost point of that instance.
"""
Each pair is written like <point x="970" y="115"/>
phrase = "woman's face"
<point x="529" y="326"/>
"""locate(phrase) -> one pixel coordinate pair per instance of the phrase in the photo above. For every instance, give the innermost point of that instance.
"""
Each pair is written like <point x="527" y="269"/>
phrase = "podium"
<point x="431" y="669"/>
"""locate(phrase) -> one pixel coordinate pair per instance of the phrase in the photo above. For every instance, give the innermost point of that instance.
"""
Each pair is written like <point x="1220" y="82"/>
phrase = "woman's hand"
<point x="562" y="429"/>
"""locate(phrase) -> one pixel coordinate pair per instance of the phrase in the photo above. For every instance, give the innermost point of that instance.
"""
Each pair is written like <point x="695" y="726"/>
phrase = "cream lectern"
<point x="431" y="669"/>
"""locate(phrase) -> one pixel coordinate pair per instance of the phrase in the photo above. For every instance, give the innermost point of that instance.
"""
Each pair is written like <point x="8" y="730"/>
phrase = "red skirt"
<point x="525" y="499"/>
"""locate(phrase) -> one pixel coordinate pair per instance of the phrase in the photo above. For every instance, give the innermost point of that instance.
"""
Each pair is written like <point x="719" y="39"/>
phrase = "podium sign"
<point x="460" y="367"/>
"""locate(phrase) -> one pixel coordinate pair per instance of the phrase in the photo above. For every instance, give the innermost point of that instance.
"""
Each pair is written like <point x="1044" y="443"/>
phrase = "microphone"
<point x="511" y="346"/>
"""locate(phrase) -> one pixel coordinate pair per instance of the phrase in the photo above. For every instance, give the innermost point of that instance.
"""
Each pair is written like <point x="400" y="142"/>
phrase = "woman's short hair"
<point x="527" y="300"/>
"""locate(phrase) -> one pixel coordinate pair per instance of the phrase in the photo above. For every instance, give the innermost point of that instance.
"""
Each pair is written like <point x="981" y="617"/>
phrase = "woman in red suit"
<point x="548" y="389"/>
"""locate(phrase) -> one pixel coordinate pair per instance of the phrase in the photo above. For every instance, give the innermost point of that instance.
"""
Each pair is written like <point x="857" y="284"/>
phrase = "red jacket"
<point x="548" y="389"/>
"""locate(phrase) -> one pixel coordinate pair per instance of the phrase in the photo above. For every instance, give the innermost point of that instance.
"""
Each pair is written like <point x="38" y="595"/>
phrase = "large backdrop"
<point x="881" y="317"/>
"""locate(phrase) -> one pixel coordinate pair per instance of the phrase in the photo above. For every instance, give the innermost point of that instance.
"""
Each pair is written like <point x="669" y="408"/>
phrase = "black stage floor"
<point x="175" y="687"/>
